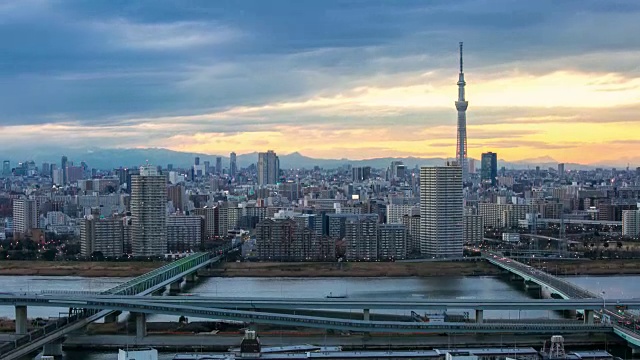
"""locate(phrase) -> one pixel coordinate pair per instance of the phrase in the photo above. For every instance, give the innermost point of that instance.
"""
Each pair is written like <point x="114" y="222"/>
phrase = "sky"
<point x="330" y="79"/>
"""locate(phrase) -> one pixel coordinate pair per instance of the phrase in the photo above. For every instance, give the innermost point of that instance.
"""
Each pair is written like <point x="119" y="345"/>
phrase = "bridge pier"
<point x="479" y="316"/>
<point x="141" y="325"/>
<point x="366" y="315"/>
<point x="53" y="349"/>
<point x="174" y="288"/>
<point x="21" y="319"/>
<point x="191" y="278"/>
<point x="588" y="316"/>
<point x="112" y="318"/>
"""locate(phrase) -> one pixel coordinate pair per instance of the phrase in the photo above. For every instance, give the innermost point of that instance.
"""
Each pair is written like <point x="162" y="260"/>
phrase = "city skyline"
<point x="245" y="77"/>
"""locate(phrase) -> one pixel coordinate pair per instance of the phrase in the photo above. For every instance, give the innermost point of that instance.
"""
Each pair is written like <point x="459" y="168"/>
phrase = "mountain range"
<point x="102" y="158"/>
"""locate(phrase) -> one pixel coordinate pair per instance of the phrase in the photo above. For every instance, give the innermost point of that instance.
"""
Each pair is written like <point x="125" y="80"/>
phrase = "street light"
<point x="604" y="304"/>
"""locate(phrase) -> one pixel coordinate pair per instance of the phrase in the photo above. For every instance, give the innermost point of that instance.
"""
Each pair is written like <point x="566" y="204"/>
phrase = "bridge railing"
<point x="131" y="287"/>
<point x="546" y="278"/>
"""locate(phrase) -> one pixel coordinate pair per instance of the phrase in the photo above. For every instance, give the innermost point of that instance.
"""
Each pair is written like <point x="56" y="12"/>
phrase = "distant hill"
<point x="113" y="158"/>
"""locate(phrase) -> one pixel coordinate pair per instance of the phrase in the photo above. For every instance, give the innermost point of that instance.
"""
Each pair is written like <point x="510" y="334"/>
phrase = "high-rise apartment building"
<point x="176" y="194"/>
<point x="561" y="169"/>
<point x="148" y="213"/>
<point x="361" y="238"/>
<point x="233" y="165"/>
<point x="473" y="229"/>
<point x="631" y="223"/>
<point x="268" y="168"/>
<point x="392" y="242"/>
<point x="489" y="172"/>
<point x="209" y="215"/>
<point x="441" y="211"/>
<point x="102" y="235"/>
<point x="25" y="216"/>
<point x="184" y="233"/>
<point x="412" y="224"/>
<point x="395" y="212"/>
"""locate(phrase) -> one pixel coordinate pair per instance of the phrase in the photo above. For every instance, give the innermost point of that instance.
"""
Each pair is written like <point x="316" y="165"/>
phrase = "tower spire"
<point x="461" y="57"/>
<point x="461" y="106"/>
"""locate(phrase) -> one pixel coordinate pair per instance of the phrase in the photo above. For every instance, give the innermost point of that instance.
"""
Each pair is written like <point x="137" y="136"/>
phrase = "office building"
<point x="473" y="229"/>
<point x="461" y="106"/>
<point x="631" y="223"/>
<point x="233" y="164"/>
<point x="25" y="216"/>
<point x="360" y="173"/>
<point x="561" y="169"/>
<point x="219" y="165"/>
<point x="63" y="166"/>
<point x="105" y="236"/>
<point x="45" y="170"/>
<point x="73" y="174"/>
<point x="489" y="172"/>
<point x="441" y="211"/>
<point x="268" y="168"/>
<point x="392" y="242"/>
<point x="207" y="167"/>
<point x="6" y="168"/>
<point x="184" y="233"/>
<point x="148" y="213"/>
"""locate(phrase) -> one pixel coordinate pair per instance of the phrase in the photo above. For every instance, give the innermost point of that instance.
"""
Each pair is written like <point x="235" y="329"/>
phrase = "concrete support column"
<point x="366" y="315"/>
<point x="112" y="318"/>
<point x="53" y="349"/>
<point x="635" y="352"/>
<point x="174" y="288"/>
<point x="191" y="278"/>
<point x="588" y="316"/>
<point x="141" y="325"/>
<point x="479" y="316"/>
<point x="21" y="319"/>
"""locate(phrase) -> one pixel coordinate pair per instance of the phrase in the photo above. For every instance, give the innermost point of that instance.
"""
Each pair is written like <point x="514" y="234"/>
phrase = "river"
<point x="484" y="287"/>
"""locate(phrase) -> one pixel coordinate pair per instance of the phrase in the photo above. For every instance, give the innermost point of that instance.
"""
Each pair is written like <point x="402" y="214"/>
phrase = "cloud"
<point x="376" y="76"/>
<point x="164" y="36"/>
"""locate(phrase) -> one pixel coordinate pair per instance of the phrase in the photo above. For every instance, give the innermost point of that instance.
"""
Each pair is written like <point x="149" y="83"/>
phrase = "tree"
<point x="49" y="255"/>
<point x="606" y="244"/>
<point x="97" y="255"/>
<point x="619" y="244"/>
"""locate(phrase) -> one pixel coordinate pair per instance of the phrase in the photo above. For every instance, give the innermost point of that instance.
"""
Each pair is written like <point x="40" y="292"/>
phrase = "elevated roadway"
<point x="152" y="307"/>
<point x="80" y="301"/>
<point x="559" y="286"/>
<point x="139" y="286"/>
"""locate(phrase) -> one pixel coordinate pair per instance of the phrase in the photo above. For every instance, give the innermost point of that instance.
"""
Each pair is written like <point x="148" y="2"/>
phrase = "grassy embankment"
<point x="358" y="269"/>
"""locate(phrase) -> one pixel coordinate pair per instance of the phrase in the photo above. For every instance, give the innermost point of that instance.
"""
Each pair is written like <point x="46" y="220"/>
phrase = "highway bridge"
<point x="80" y="301"/>
<point x="558" y="286"/>
<point x="171" y="274"/>
<point x="153" y="306"/>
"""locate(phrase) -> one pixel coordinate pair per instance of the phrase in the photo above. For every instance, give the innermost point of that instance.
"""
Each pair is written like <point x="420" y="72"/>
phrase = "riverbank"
<point x="332" y="269"/>
<point x="76" y="268"/>
<point x="417" y="269"/>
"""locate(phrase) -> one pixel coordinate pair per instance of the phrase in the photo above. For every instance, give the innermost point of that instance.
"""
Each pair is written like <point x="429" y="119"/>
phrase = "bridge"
<point x="558" y="286"/>
<point x="171" y="274"/>
<point x="155" y="306"/>
<point x="566" y="290"/>
<point x="109" y="301"/>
